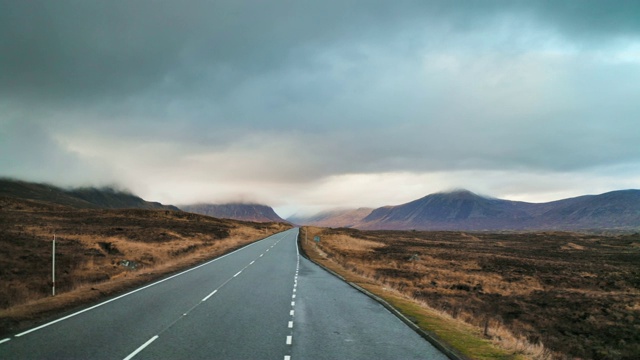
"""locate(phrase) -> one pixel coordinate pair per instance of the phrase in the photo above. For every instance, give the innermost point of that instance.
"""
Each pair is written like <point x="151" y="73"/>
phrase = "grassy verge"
<point x="464" y="339"/>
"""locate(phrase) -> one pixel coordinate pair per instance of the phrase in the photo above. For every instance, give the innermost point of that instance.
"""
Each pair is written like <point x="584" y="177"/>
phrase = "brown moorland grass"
<point x="100" y="253"/>
<point x="537" y="295"/>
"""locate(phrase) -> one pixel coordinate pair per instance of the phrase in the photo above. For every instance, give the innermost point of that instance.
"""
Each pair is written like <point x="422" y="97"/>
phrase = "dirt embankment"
<point x="100" y="253"/>
<point x="577" y="295"/>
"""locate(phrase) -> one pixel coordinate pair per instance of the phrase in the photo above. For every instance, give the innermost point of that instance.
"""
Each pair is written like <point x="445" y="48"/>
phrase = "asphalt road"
<point x="263" y="301"/>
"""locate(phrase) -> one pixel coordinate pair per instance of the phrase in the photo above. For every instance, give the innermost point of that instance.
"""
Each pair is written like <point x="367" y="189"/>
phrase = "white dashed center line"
<point x="141" y="347"/>
<point x="293" y="303"/>
<point x="210" y="295"/>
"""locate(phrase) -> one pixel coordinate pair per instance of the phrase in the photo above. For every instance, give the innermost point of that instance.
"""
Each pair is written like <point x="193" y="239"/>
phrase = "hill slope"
<point x="460" y="210"/>
<point x="80" y="198"/>
<point x="612" y="210"/>
<point x="236" y="211"/>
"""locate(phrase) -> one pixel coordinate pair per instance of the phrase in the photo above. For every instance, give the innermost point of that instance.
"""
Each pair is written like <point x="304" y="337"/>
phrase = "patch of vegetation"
<point x="538" y="295"/>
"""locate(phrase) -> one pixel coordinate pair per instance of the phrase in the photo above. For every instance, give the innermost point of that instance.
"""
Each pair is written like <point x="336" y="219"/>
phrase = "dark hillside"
<point x="236" y="211"/>
<point x="81" y="198"/>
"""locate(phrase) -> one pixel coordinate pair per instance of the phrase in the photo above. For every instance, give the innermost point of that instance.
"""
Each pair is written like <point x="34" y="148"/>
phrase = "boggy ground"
<point x="577" y="294"/>
<point x="100" y="252"/>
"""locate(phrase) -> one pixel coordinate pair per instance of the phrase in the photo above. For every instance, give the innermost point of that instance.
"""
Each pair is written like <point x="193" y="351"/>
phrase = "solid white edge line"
<point x="134" y="291"/>
<point x="4" y="340"/>
<point x="210" y="295"/>
<point x="141" y="348"/>
<point x="289" y="340"/>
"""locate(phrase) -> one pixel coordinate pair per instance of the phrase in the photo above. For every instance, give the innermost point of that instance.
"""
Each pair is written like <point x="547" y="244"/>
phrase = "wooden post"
<point x="53" y="267"/>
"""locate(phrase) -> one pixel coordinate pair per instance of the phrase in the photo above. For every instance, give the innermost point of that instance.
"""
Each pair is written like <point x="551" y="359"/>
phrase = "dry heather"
<point x="543" y="295"/>
<point x="100" y="252"/>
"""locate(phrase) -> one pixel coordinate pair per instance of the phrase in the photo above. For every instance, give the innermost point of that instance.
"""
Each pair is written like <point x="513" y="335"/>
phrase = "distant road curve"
<point x="263" y="301"/>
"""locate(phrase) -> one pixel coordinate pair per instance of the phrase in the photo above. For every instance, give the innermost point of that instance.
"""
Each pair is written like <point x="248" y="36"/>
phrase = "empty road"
<point x="263" y="301"/>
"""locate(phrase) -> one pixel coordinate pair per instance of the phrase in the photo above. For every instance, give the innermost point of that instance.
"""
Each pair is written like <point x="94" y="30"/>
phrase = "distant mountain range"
<point x="333" y="218"/>
<point x="80" y="198"/>
<point x="456" y="210"/>
<point x="236" y="211"/>
<point x="464" y="210"/>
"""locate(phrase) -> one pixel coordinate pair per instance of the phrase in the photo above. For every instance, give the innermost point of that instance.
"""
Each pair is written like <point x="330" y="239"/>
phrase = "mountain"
<point x="464" y="210"/>
<point x="236" y="211"/>
<point x="333" y="218"/>
<point x="80" y="198"/>
<point x="457" y="210"/>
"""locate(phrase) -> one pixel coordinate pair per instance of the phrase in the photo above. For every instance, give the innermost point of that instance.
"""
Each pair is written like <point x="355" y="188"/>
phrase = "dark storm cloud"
<point x="78" y="48"/>
<point x="589" y="19"/>
<point x="67" y="49"/>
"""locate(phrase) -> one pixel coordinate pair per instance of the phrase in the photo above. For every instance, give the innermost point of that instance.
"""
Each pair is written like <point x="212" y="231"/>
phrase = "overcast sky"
<point x="308" y="105"/>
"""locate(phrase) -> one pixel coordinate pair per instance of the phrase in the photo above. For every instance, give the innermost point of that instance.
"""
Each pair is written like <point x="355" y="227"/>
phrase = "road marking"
<point x="238" y="273"/>
<point x="289" y="339"/>
<point x="294" y="289"/>
<point x="291" y="312"/>
<point x="290" y="324"/>
<point x="4" y="340"/>
<point x="141" y="348"/>
<point x="287" y="357"/>
<point x="293" y="296"/>
<point x="251" y="263"/>
<point x="132" y="292"/>
<point x="293" y="303"/>
<point x="210" y="295"/>
<point x="261" y="255"/>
